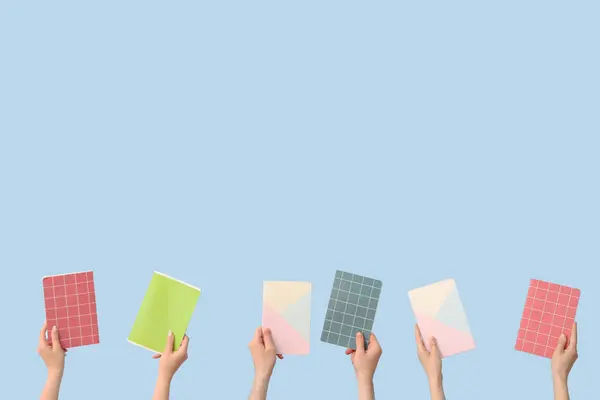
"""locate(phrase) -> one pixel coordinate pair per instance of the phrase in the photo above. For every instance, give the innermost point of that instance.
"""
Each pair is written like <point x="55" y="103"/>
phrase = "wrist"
<point x="261" y="378"/>
<point x="364" y="379"/>
<point x="559" y="379"/>
<point x="55" y="374"/>
<point x="261" y="382"/>
<point x="164" y="377"/>
<point x="435" y="381"/>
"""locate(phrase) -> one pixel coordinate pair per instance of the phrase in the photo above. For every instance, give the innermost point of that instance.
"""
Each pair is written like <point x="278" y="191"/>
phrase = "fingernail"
<point x="170" y="332"/>
<point x="54" y="328"/>
<point x="358" y="334"/>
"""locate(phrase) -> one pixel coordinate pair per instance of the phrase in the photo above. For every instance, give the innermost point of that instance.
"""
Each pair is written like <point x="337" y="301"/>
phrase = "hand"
<point x="563" y="358"/>
<point x="170" y="360"/>
<point x="53" y="356"/>
<point x="430" y="360"/>
<point x="263" y="352"/>
<point x="365" y="361"/>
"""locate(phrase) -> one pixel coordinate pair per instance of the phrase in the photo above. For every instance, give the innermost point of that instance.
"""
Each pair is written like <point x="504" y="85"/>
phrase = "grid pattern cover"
<point x="549" y="311"/>
<point x="70" y="302"/>
<point x="351" y="309"/>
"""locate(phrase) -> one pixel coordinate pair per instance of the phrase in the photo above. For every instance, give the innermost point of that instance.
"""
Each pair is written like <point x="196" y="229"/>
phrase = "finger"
<point x="560" y="347"/>
<point x="170" y="343"/>
<point x="373" y="342"/>
<point x="433" y="345"/>
<point x="419" y="339"/>
<point x="360" y="342"/>
<point x="184" y="344"/>
<point x="349" y="351"/>
<point x="268" y="338"/>
<point x="258" y="336"/>
<point x="573" y="341"/>
<point x="280" y="356"/>
<point x="157" y="356"/>
<point x="43" y="340"/>
<point x="55" y="339"/>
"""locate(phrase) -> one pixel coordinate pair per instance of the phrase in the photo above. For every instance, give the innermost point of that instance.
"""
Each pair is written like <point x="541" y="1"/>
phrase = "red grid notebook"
<point x="549" y="311"/>
<point x="71" y="305"/>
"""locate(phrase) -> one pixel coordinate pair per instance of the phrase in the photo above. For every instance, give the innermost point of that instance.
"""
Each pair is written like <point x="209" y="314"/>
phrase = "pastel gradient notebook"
<point x="440" y="313"/>
<point x="286" y="311"/>
<point x="549" y="311"/>
<point x="167" y="306"/>
<point x="70" y="301"/>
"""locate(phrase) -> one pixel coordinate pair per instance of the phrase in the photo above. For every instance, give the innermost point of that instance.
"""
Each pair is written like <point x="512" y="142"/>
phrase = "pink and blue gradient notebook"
<point x="440" y="313"/>
<point x="286" y="311"/>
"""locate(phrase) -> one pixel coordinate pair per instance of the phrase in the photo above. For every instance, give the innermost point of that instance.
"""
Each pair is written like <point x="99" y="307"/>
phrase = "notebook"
<point x="352" y="307"/>
<point x="549" y="311"/>
<point x="167" y="306"/>
<point x="440" y="313"/>
<point x="286" y="311"/>
<point x="70" y="301"/>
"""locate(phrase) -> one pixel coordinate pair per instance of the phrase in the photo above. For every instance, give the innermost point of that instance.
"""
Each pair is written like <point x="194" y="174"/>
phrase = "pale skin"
<point x="563" y="359"/>
<point x="54" y="358"/>
<point x="431" y="360"/>
<point x="170" y="362"/>
<point x="264" y="356"/>
<point x="365" y="363"/>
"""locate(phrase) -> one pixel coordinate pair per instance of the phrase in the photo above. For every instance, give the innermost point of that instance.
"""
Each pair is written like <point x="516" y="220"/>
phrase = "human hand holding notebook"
<point x="167" y="307"/>
<point x="440" y="314"/>
<point x="286" y="313"/>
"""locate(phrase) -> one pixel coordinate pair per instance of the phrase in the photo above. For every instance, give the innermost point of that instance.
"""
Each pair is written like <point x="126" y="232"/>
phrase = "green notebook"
<point x="167" y="306"/>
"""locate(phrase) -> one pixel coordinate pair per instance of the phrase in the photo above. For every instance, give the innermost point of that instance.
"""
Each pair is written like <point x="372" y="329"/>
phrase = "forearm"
<point x="52" y="386"/>
<point x="436" y="388"/>
<point x="561" y="389"/>
<point x="260" y="386"/>
<point x="162" y="389"/>
<point x="366" y="389"/>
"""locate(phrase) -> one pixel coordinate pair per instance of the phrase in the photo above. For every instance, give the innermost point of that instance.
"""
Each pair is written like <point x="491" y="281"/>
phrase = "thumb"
<point x="373" y="341"/>
<point x="268" y="338"/>
<point x="170" y="343"/>
<point x="562" y="341"/>
<point x="55" y="339"/>
<point x="433" y="345"/>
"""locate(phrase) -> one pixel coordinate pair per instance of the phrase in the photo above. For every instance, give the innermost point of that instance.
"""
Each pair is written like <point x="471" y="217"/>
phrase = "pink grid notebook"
<point x="71" y="305"/>
<point x="549" y="311"/>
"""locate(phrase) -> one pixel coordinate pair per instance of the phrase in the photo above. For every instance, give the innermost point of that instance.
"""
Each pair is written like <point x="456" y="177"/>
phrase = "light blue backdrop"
<point x="229" y="142"/>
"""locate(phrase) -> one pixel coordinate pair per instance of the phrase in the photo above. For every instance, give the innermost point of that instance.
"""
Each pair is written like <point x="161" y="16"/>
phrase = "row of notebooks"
<point x="70" y="302"/>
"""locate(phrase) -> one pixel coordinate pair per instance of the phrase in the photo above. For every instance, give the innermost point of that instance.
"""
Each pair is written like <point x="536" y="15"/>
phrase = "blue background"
<point x="230" y="142"/>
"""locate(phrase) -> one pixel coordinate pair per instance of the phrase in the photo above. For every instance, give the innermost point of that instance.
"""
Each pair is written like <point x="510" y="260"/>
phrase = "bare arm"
<point x="162" y="389"/>
<point x="366" y="390"/>
<point x="52" y="386"/>
<point x="260" y="386"/>
<point x="264" y="356"/>
<point x="436" y="389"/>
<point x="563" y="359"/>
<point x="170" y="362"/>
<point x="54" y="358"/>
<point x="561" y="389"/>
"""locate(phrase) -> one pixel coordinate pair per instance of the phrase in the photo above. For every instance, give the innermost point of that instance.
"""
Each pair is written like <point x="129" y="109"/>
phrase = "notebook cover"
<point x="167" y="306"/>
<point x="70" y="303"/>
<point x="439" y="313"/>
<point x="549" y="311"/>
<point x="286" y="311"/>
<point x="352" y="307"/>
